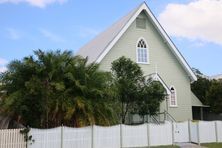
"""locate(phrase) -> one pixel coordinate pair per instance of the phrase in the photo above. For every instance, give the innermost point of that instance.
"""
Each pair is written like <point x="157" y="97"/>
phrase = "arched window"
<point x="173" y="96"/>
<point x="142" y="52"/>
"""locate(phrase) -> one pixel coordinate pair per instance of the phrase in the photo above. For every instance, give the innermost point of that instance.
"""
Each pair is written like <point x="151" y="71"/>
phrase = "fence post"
<point x="62" y="136"/>
<point x="172" y="133"/>
<point x="92" y="142"/>
<point x="216" y="133"/>
<point x="198" y="132"/>
<point x="189" y="132"/>
<point x="121" y="136"/>
<point x="148" y="135"/>
<point x="1" y="137"/>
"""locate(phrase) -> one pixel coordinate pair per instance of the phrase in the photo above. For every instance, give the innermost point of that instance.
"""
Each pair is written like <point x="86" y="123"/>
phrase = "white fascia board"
<point x="171" y="44"/>
<point x="164" y="84"/>
<point x="163" y="34"/>
<point x="123" y="30"/>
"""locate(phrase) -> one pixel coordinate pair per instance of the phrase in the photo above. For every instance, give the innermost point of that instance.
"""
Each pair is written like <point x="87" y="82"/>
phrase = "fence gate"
<point x="181" y="132"/>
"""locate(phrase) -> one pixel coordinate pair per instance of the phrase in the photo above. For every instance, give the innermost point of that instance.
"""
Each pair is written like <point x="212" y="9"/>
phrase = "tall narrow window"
<point x="142" y="52"/>
<point x="173" y="97"/>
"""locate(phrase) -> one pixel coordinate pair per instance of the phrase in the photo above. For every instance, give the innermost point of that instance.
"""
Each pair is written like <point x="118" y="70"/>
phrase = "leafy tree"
<point x="128" y="76"/>
<point x="151" y="95"/>
<point x="214" y="96"/>
<point x="208" y="91"/>
<point x="134" y="93"/>
<point x="200" y="88"/>
<point x="54" y="88"/>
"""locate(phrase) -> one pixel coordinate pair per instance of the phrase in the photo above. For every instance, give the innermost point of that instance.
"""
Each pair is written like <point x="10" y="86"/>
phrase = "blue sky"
<point x="27" y="25"/>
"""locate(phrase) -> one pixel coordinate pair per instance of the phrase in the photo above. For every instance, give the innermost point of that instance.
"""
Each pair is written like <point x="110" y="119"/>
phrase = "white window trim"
<point x="176" y="105"/>
<point x="147" y="51"/>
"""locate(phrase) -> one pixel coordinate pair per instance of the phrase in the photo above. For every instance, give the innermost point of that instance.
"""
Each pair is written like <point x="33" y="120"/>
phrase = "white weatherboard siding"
<point x="161" y="56"/>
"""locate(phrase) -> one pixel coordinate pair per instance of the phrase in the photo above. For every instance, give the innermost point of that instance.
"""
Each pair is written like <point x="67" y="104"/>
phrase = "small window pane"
<point x="142" y="55"/>
<point x="142" y="52"/>
<point x="173" y="97"/>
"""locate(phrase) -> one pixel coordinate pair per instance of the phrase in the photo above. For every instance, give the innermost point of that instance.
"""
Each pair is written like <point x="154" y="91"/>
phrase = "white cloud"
<point x="51" y="36"/>
<point x="197" y="20"/>
<point x="37" y="3"/>
<point x="3" y="61"/>
<point x="198" y="44"/>
<point x="13" y="33"/>
<point x="3" y="69"/>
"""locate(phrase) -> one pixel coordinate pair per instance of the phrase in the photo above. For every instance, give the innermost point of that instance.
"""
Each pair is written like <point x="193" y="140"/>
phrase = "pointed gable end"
<point x="97" y="49"/>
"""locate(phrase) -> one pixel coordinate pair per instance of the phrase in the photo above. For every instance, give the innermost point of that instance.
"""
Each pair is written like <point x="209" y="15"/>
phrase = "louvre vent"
<point x="141" y="23"/>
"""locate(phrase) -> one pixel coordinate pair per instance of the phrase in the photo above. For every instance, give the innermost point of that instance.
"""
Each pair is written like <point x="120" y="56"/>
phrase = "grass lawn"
<point x="212" y="145"/>
<point x="167" y="146"/>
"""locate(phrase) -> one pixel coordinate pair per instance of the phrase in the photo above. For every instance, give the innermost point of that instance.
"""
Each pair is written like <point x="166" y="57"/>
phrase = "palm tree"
<point x="54" y="88"/>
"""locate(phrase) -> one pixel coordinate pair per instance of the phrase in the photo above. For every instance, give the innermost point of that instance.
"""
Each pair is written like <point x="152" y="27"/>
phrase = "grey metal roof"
<point x="196" y="102"/>
<point x="95" y="47"/>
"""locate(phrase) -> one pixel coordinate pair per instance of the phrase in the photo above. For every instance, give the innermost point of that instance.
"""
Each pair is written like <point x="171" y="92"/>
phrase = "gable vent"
<point x="141" y="23"/>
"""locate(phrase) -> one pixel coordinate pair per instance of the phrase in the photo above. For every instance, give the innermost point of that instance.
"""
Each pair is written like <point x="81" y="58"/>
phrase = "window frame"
<point x="175" y="92"/>
<point x="147" y="51"/>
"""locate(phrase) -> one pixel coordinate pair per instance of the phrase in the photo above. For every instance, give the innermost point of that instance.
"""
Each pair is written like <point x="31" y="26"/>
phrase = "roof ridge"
<point x="108" y="35"/>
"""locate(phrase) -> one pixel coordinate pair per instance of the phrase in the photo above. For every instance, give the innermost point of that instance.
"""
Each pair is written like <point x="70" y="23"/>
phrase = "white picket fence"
<point x="100" y="137"/>
<point x="198" y="132"/>
<point x="12" y="138"/>
<point x="119" y="136"/>
<point x="206" y="132"/>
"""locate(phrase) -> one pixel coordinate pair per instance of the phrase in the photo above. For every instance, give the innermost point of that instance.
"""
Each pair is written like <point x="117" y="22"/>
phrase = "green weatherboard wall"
<point x="161" y="59"/>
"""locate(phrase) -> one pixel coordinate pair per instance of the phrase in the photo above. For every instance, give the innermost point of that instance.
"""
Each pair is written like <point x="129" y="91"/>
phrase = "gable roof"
<point x="96" y="49"/>
<point x="156" y="77"/>
<point x="196" y="102"/>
